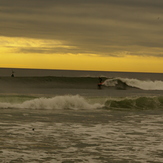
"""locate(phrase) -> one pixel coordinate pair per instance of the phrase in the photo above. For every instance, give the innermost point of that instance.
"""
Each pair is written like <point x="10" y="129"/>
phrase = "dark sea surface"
<point x="69" y="118"/>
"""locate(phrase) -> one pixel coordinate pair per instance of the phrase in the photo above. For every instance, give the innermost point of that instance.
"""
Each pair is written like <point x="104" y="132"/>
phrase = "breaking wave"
<point x="80" y="103"/>
<point x="59" y="102"/>
<point x="123" y="83"/>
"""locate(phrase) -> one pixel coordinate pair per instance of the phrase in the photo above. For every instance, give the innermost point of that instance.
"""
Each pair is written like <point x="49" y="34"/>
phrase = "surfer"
<point x="100" y="83"/>
<point x="12" y="75"/>
<point x="100" y="80"/>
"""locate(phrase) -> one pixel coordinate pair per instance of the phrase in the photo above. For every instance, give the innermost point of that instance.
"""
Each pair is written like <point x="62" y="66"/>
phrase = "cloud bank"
<point x="105" y="27"/>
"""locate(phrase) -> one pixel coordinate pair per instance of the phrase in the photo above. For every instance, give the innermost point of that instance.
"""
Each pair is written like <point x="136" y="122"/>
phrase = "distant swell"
<point x="125" y="82"/>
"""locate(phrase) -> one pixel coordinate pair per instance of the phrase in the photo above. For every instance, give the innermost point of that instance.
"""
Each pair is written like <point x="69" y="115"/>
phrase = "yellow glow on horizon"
<point x="11" y="56"/>
<point x="82" y="62"/>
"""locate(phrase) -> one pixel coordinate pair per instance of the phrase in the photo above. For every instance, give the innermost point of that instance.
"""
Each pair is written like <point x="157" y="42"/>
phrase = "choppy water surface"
<point x="95" y="136"/>
<point x="71" y="120"/>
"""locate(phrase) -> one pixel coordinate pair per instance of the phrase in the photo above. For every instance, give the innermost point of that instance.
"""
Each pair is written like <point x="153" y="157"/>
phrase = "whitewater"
<point x="76" y="102"/>
<point x="141" y="84"/>
<point x="70" y="119"/>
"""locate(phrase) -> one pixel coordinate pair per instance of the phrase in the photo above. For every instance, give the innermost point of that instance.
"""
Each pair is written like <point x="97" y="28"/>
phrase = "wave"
<point x="59" y="102"/>
<point x="123" y="83"/>
<point x="19" y="84"/>
<point x="141" y="103"/>
<point x="80" y="103"/>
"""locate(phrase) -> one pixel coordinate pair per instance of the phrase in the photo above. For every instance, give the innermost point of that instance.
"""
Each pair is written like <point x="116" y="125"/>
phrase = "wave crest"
<point x="58" y="102"/>
<point x="122" y="83"/>
<point x="135" y="103"/>
<point x="80" y="103"/>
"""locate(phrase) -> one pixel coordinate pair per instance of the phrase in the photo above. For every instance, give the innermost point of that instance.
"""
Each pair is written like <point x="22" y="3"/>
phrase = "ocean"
<point x="66" y="117"/>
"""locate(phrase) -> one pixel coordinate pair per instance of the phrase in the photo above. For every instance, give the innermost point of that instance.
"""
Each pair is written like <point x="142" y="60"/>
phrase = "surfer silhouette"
<point x="100" y="82"/>
<point x="12" y="75"/>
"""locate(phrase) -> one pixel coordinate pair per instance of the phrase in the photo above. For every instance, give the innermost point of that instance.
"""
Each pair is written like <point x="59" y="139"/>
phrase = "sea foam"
<point x="58" y="102"/>
<point x="141" y="84"/>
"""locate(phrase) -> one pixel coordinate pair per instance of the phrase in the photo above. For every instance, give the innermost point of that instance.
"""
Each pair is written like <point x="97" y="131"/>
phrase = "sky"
<point x="98" y="35"/>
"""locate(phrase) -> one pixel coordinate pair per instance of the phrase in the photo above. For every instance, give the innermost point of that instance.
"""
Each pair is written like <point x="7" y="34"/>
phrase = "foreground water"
<point x="81" y="136"/>
<point x="69" y="120"/>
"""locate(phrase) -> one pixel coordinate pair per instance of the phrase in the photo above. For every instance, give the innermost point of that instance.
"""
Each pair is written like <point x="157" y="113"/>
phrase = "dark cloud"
<point x="90" y="25"/>
<point x="45" y="50"/>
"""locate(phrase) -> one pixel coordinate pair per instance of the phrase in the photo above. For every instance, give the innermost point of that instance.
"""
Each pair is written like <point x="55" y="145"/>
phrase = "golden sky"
<point x="112" y="35"/>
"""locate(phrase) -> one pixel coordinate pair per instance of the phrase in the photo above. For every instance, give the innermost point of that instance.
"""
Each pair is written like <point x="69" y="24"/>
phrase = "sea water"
<point x="71" y="120"/>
